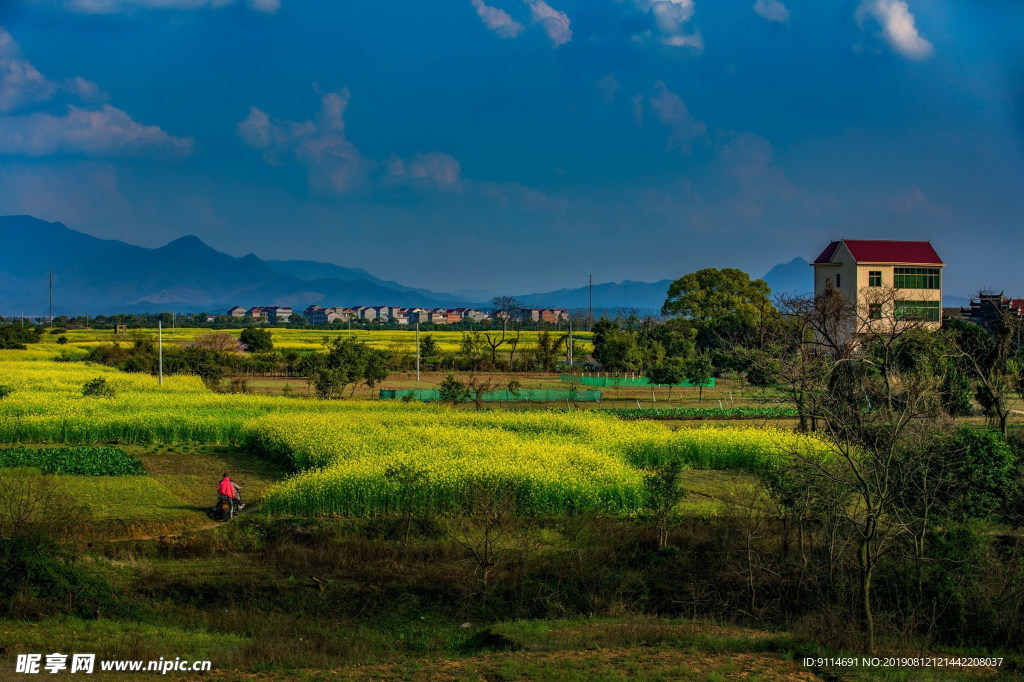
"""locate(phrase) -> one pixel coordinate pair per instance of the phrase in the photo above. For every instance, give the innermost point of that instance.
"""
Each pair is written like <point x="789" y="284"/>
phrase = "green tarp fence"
<point x="621" y="381"/>
<point x="526" y="394"/>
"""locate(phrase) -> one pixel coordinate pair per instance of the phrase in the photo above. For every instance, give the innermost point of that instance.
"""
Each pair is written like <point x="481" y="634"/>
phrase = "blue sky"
<point x="520" y="145"/>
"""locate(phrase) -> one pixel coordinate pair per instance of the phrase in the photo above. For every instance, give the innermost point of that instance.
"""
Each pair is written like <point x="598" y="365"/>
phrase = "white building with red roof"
<point x="887" y="280"/>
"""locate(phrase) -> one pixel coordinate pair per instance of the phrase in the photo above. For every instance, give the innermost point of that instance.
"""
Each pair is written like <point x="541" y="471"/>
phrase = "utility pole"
<point x="591" y="286"/>
<point x="160" y="345"/>
<point x="570" y="343"/>
<point x="417" y="350"/>
<point x="51" y="300"/>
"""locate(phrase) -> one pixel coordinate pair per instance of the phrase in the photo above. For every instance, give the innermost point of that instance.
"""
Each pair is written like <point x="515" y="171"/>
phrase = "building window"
<point x="874" y="278"/>
<point x="920" y="311"/>
<point x="874" y="311"/>
<point x="837" y="281"/>
<point x="916" y="278"/>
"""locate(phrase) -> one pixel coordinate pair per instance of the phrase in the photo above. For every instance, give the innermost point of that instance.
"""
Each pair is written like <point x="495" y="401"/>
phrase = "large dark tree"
<point x="720" y="304"/>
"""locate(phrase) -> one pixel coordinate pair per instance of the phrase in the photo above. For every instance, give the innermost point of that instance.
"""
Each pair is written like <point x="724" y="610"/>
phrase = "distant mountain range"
<point x="102" y="276"/>
<point x="794" y="278"/>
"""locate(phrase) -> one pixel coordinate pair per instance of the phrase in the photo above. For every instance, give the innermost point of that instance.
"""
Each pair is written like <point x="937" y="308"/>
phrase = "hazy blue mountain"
<point x="795" y="278"/>
<point x="94" y="276"/>
<point x="311" y="270"/>
<point x="647" y="297"/>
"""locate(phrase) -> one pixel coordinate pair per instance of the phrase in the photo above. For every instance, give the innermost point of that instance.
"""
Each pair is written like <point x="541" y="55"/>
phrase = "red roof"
<point x="883" y="251"/>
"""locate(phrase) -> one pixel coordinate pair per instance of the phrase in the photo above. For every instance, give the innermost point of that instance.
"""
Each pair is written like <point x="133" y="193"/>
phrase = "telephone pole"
<point x="570" y="344"/>
<point x="417" y="350"/>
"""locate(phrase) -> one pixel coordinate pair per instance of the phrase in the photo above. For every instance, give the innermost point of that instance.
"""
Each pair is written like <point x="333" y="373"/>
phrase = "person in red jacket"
<point x="228" y="489"/>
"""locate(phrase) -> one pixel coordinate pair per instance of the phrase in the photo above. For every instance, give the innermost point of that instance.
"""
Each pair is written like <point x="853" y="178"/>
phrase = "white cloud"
<point x="98" y="133"/>
<point x="669" y="108"/>
<point x="332" y="161"/>
<point x="898" y="27"/>
<point x="671" y="17"/>
<point x="498" y="20"/>
<point x="84" y="90"/>
<point x="77" y="130"/>
<point x="554" y="22"/>
<point x="432" y="169"/>
<point x="123" y="6"/>
<point x="21" y="84"/>
<point x="772" y="10"/>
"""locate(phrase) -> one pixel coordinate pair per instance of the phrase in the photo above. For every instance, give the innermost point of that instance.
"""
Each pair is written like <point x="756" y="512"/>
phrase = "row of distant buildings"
<point x="315" y="314"/>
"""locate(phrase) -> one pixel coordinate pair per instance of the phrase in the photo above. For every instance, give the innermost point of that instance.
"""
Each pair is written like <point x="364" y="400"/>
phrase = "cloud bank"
<point x="334" y="163"/>
<point x="31" y="126"/>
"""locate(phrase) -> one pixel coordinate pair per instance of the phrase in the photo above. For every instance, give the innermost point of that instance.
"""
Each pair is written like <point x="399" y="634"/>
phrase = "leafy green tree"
<point x="615" y="349"/>
<point x="471" y="348"/>
<point x="256" y="340"/>
<point x="348" y="362"/>
<point x="663" y="497"/>
<point x="428" y="347"/>
<point x="668" y="372"/>
<point x="546" y="352"/>
<point x="721" y="303"/>
<point x="453" y="391"/>
<point x="699" y="371"/>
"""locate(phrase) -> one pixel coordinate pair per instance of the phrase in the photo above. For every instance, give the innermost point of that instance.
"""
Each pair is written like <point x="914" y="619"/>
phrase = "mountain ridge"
<point x="102" y="276"/>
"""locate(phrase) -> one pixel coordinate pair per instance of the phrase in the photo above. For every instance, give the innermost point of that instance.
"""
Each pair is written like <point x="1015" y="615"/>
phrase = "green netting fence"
<point x="607" y="380"/>
<point x="536" y="395"/>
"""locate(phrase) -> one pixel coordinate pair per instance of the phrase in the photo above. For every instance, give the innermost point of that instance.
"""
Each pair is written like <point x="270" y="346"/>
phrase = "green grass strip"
<point x="704" y="413"/>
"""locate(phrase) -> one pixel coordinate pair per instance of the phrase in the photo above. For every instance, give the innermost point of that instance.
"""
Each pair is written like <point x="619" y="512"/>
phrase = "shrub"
<point x="62" y="340"/>
<point x="981" y="471"/>
<point x="5" y="391"/>
<point x="14" y="337"/>
<point x="97" y="388"/>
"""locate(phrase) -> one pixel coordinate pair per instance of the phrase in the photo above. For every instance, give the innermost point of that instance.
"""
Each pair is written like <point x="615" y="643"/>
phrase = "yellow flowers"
<point x="347" y="453"/>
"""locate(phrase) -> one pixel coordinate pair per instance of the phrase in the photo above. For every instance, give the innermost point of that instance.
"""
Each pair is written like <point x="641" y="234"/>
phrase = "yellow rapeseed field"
<point x="372" y="457"/>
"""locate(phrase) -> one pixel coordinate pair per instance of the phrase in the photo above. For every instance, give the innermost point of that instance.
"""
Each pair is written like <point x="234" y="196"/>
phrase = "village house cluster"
<point x="386" y="314"/>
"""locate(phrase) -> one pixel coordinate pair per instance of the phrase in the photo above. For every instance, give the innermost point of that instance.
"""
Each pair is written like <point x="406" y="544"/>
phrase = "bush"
<point x="97" y="388"/>
<point x="981" y="471"/>
<point x="40" y="577"/>
<point x="62" y="340"/>
<point x="14" y="337"/>
<point x="5" y="391"/>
